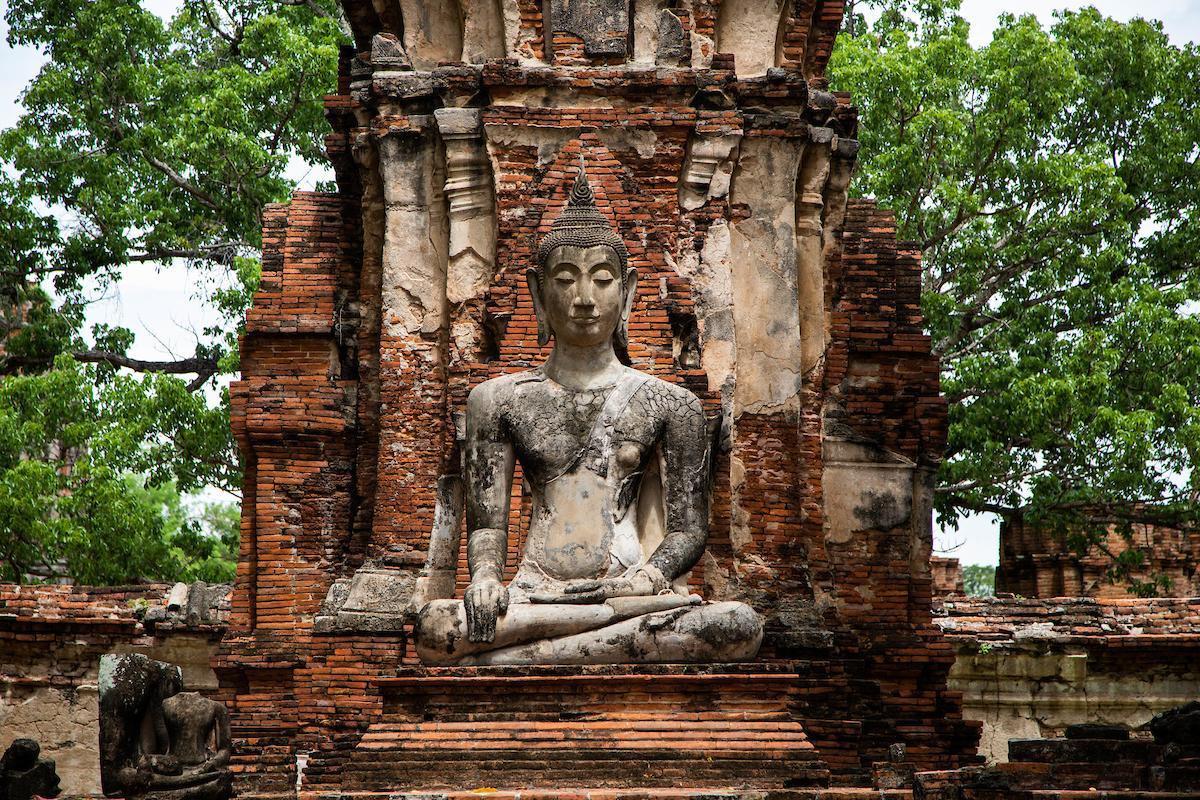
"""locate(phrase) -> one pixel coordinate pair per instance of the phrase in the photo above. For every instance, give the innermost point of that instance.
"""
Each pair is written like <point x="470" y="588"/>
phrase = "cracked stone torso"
<point x="594" y="461"/>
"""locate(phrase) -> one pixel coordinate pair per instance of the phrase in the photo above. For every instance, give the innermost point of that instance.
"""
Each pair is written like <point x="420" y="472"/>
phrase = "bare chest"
<point x="556" y="429"/>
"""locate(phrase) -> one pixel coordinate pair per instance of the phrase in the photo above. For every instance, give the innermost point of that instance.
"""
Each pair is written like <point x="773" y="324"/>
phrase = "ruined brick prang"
<point x="51" y="641"/>
<point x="1030" y="668"/>
<point x="716" y="153"/>
<point x="1039" y="561"/>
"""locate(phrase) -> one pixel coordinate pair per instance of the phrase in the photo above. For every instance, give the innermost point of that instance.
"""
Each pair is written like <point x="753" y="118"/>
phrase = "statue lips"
<point x="585" y="322"/>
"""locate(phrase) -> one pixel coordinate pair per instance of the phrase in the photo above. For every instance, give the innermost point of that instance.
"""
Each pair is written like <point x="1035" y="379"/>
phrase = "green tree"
<point x="1050" y="178"/>
<point x="141" y="141"/>
<point x="979" y="580"/>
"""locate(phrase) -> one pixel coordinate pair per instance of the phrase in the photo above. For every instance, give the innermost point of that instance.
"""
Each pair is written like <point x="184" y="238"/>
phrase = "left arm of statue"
<point x="685" y="483"/>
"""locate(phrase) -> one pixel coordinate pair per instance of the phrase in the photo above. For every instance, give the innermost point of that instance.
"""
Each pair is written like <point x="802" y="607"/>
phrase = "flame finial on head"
<point x="581" y="224"/>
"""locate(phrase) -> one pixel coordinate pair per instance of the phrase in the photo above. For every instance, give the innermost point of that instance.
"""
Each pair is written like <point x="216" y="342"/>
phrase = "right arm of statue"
<point x="489" y="474"/>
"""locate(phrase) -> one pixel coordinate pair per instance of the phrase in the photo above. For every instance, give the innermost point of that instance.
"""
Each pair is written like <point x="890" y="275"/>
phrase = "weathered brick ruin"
<point x="716" y="152"/>
<point x="1027" y="669"/>
<point x="51" y="641"/>
<point x="1031" y="668"/>
<point x="1037" y="561"/>
<point x="947" y="576"/>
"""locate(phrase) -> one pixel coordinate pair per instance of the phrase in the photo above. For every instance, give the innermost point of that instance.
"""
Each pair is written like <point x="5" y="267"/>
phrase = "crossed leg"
<point x="593" y="634"/>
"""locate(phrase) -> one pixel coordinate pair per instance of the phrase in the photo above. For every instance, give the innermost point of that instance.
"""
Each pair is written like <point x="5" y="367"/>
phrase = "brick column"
<point x="413" y="439"/>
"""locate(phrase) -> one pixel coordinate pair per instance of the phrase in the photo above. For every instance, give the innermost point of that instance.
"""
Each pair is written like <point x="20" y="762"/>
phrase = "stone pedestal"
<point x="612" y="727"/>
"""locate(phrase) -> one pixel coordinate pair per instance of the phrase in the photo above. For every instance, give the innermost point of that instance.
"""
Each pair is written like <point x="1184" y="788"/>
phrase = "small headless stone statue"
<point x="23" y="775"/>
<point x="617" y="463"/>
<point x="158" y="742"/>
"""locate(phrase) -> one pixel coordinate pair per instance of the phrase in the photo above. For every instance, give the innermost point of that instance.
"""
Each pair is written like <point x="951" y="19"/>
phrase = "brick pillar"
<point x="414" y="440"/>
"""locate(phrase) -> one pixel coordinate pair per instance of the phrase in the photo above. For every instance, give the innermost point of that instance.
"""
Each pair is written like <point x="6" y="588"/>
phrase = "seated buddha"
<point x="616" y="461"/>
<point x="157" y="741"/>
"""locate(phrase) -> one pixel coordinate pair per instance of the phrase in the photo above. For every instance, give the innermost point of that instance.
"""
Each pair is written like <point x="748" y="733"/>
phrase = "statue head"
<point x="170" y="682"/>
<point x="583" y="288"/>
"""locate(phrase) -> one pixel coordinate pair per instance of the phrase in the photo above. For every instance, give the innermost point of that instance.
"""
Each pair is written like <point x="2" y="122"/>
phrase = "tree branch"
<point x="203" y="367"/>
<point x="219" y="250"/>
<point x="182" y="182"/>
<point x="311" y="4"/>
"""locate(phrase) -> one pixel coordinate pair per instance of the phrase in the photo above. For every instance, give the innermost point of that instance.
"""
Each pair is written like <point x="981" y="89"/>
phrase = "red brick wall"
<point x="1039" y="561"/>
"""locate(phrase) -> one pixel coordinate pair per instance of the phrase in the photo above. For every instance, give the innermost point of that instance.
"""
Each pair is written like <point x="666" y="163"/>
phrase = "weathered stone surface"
<point x="603" y="25"/>
<point x="24" y="774"/>
<point x="51" y="641"/>
<point x="750" y="29"/>
<point x="1178" y="725"/>
<point x="154" y="738"/>
<point x="1071" y="751"/>
<point x="1115" y="663"/>
<point x="603" y="548"/>
<point x="377" y="598"/>
<point x="673" y="47"/>
<point x="388" y="54"/>
<point x="1095" y="730"/>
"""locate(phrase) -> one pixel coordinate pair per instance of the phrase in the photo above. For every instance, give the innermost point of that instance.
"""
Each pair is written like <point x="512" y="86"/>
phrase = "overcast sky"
<point x="162" y="308"/>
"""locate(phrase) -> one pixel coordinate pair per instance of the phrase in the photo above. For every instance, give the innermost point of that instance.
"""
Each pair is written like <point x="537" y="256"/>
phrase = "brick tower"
<point x="716" y="151"/>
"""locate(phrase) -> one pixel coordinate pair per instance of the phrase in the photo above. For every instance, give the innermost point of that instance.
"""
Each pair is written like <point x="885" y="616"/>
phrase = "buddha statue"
<point x="158" y="742"/>
<point x="617" y="462"/>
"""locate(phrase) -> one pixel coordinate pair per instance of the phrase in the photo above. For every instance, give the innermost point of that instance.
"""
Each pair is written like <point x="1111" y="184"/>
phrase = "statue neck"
<point x="583" y="368"/>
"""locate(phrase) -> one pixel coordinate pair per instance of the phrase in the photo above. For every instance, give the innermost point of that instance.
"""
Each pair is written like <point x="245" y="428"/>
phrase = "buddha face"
<point x="582" y="296"/>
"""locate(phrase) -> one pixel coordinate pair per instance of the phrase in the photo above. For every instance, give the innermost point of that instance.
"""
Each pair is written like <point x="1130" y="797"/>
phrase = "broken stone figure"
<point x="157" y="741"/>
<point x="23" y="775"/>
<point x="617" y="464"/>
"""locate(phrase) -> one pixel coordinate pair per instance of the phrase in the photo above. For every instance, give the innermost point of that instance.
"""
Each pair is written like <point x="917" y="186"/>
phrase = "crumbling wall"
<point x="1029" y="668"/>
<point x="1039" y="561"/>
<point x="51" y="641"/>
<point x="790" y="311"/>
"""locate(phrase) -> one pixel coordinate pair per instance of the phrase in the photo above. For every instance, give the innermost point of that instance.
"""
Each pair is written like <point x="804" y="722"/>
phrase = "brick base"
<point x="1058" y="769"/>
<point x="663" y="794"/>
<point x="707" y="727"/>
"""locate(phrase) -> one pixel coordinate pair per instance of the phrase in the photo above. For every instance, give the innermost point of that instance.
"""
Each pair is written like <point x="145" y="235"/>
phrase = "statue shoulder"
<point x="664" y="397"/>
<point x="496" y="392"/>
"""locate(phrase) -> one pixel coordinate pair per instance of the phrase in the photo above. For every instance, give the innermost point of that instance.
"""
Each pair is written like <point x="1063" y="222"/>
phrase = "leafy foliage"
<point x="979" y="580"/>
<point x="1051" y="179"/>
<point x="141" y="142"/>
<point x="73" y="445"/>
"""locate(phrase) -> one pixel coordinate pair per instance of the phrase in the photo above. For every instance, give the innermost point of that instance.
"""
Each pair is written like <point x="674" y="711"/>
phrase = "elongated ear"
<point x="535" y="292"/>
<point x="622" y="332"/>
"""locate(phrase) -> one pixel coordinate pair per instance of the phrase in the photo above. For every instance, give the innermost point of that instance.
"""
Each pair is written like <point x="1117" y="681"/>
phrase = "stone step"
<point x="607" y="729"/>
<point x="1075" y="775"/>
<point x="566" y="793"/>
<point x="1095" y="751"/>
<point x="608" y="768"/>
